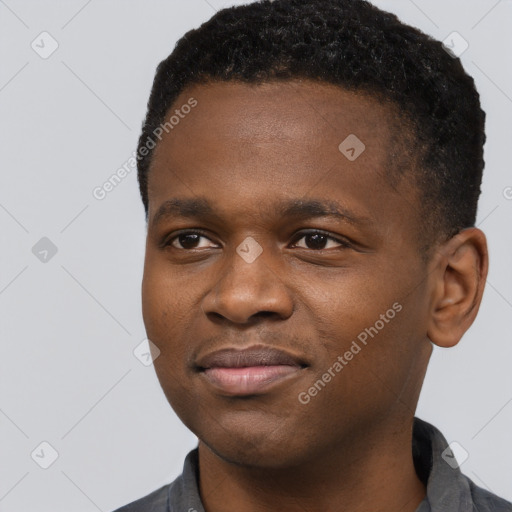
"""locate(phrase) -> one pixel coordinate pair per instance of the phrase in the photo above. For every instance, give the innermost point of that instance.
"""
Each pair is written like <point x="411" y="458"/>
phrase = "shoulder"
<point x="486" y="501"/>
<point x="180" y="494"/>
<point x="156" y="501"/>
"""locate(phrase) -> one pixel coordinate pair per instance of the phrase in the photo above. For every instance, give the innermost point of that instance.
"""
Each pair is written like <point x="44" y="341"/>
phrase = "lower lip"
<point x="248" y="380"/>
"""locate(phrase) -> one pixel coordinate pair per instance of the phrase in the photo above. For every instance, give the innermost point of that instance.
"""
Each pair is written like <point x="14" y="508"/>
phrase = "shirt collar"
<point x="447" y="487"/>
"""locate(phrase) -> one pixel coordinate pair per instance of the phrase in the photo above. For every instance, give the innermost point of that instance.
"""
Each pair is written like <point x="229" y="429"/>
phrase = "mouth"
<point x="250" y="371"/>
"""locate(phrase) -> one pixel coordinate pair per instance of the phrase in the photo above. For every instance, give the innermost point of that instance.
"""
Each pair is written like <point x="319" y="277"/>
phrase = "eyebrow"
<point x="201" y="209"/>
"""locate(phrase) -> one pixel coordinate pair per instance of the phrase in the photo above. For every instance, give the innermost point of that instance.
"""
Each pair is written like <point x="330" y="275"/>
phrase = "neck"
<point x="373" y="472"/>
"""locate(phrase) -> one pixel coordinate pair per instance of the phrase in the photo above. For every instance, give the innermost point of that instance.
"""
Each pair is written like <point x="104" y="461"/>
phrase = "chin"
<point x="251" y="448"/>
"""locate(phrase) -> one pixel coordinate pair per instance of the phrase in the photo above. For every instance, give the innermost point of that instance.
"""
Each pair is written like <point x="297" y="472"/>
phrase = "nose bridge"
<point x="248" y="267"/>
<point x="248" y="284"/>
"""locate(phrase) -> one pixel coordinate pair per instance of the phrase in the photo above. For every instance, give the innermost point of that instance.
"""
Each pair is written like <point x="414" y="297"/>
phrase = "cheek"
<point x="354" y="300"/>
<point x="163" y="310"/>
<point x="367" y="318"/>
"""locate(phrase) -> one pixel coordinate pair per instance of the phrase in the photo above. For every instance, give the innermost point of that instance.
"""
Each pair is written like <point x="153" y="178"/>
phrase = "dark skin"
<point x="246" y="148"/>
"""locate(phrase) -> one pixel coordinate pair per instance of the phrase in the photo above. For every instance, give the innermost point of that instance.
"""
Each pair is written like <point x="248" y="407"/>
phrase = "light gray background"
<point x="68" y="375"/>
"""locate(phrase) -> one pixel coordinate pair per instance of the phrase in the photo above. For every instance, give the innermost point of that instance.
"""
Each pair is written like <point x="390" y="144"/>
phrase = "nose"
<point x="246" y="290"/>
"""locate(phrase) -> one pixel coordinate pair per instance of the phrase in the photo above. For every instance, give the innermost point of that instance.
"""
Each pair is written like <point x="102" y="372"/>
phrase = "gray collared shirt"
<point x="448" y="490"/>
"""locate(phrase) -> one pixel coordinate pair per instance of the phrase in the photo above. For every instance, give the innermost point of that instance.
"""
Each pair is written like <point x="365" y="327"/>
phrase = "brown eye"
<point x="187" y="240"/>
<point x="317" y="240"/>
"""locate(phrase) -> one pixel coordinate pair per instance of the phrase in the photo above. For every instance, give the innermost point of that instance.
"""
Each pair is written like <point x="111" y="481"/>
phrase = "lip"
<point x="250" y="371"/>
<point x="255" y="355"/>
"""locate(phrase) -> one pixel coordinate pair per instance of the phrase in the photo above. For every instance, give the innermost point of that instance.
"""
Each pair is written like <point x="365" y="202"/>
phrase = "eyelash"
<point x="344" y="245"/>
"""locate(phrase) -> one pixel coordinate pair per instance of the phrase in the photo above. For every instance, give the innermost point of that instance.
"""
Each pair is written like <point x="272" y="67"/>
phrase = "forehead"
<point x="284" y="109"/>
<point x="246" y="153"/>
<point x="274" y="126"/>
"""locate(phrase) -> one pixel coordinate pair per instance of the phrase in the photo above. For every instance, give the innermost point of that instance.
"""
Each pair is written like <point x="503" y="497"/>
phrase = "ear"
<point x="459" y="274"/>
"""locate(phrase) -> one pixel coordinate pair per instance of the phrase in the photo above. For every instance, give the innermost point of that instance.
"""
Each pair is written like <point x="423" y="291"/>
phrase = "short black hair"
<point x="355" y="45"/>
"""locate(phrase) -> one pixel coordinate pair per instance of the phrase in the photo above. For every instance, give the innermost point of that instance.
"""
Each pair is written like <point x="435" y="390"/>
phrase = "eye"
<point x="316" y="240"/>
<point x="187" y="240"/>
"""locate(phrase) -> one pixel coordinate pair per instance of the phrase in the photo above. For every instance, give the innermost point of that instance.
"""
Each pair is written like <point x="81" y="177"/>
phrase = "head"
<point x="343" y="151"/>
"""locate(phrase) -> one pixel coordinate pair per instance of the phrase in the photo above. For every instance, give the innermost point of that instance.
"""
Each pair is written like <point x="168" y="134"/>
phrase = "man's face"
<point x="316" y="286"/>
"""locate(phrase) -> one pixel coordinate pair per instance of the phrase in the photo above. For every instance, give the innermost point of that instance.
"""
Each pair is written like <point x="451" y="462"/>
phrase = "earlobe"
<point x="459" y="274"/>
